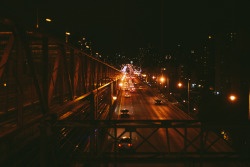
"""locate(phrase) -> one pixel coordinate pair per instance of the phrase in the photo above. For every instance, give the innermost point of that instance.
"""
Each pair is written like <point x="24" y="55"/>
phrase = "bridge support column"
<point x="110" y="101"/>
<point x="168" y="142"/>
<point x="45" y="79"/>
<point x="115" y="146"/>
<point x="19" y="81"/>
<point x="92" y="130"/>
<point x="47" y="145"/>
<point x="201" y="145"/>
<point x="185" y="139"/>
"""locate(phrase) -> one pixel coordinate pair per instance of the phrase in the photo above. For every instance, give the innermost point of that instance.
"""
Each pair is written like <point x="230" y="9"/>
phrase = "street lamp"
<point x="232" y="97"/>
<point x="188" y="96"/>
<point x="162" y="79"/>
<point x="180" y="85"/>
<point x="67" y="34"/>
<point x="48" y="20"/>
<point x="37" y="19"/>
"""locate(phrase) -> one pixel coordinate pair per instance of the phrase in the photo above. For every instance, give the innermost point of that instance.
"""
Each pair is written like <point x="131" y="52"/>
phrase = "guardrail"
<point x="196" y="143"/>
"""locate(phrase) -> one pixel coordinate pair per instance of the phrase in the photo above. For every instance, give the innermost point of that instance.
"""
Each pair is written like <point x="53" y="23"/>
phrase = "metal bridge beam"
<point x="43" y="77"/>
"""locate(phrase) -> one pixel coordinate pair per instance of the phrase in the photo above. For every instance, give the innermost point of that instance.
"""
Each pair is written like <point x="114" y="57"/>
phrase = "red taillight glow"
<point x="130" y="145"/>
<point x="120" y="145"/>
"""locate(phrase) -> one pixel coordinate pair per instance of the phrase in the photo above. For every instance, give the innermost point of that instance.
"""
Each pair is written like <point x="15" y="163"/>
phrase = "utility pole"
<point x="188" y="96"/>
<point x="37" y="19"/>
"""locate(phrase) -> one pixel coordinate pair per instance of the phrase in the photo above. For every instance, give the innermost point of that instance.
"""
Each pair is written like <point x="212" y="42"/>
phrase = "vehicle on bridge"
<point x="125" y="144"/>
<point x="127" y="95"/>
<point x="124" y="113"/>
<point x="132" y="89"/>
<point x="158" y="102"/>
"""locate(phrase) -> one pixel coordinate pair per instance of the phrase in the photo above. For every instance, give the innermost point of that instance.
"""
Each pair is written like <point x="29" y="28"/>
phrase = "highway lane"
<point x="141" y="106"/>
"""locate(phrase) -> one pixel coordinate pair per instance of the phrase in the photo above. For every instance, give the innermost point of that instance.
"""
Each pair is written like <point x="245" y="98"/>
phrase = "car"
<point x="127" y="95"/>
<point x="124" y="113"/>
<point x="132" y="89"/>
<point x="125" y="144"/>
<point x="158" y="102"/>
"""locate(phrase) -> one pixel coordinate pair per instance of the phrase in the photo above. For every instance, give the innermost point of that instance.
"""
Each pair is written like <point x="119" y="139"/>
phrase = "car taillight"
<point x="120" y="145"/>
<point x="129" y="145"/>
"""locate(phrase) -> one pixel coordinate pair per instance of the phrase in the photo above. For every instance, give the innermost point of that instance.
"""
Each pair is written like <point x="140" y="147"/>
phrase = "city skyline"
<point x="123" y="26"/>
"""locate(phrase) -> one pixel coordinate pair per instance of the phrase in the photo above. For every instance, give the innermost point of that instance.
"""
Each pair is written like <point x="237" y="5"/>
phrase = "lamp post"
<point x="67" y="38"/>
<point x="162" y="79"/>
<point x="37" y="19"/>
<point x="180" y="85"/>
<point x="188" y="96"/>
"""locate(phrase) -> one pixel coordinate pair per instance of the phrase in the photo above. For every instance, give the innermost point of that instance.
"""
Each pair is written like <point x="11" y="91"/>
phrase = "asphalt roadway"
<point x="141" y="106"/>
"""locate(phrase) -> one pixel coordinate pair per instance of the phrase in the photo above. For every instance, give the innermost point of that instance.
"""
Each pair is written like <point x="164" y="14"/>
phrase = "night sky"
<point x="126" y="25"/>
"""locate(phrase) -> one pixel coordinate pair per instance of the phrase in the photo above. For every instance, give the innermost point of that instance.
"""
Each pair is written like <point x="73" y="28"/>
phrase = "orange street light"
<point x="67" y="38"/>
<point x="162" y="79"/>
<point x="120" y="84"/>
<point x="48" y="20"/>
<point x="114" y="97"/>
<point x="153" y="77"/>
<point x="232" y="98"/>
<point x="180" y="84"/>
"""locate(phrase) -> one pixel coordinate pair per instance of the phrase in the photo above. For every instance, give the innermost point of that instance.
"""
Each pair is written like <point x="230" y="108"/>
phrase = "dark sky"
<point x="126" y="25"/>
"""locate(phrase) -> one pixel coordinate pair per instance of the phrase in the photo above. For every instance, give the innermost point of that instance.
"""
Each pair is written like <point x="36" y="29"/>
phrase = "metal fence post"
<point x="92" y="129"/>
<point x="110" y="100"/>
<point x="47" y="143"/>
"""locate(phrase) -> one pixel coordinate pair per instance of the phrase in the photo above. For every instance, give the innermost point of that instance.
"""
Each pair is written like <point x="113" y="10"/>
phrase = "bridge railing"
<point x="42" y="78"/>
<point x="38" y="73"/>
<point x="153" y="141"/>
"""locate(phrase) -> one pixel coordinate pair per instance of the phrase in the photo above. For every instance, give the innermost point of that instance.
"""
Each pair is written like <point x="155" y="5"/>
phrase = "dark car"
<point x="125" y="144"/>
<point x="124" y="113"/>
<point x="158" y="102"/>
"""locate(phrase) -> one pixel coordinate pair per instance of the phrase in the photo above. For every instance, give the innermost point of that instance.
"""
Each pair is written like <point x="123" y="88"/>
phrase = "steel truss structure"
<point x="199" y="142"/>
<point x="41" y="77"/>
